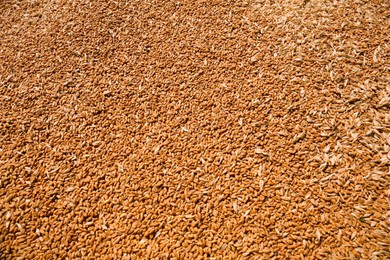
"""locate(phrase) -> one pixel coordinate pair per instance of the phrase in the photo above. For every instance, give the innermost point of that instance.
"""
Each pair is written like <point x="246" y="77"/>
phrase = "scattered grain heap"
<point x="194" y="129"/>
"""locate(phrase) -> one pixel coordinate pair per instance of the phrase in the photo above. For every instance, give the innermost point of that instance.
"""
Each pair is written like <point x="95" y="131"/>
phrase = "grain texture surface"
<point x="194" y="129"/>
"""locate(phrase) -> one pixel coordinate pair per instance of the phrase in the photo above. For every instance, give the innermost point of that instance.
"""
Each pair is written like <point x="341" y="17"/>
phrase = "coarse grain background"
<point x="194" y="129"/>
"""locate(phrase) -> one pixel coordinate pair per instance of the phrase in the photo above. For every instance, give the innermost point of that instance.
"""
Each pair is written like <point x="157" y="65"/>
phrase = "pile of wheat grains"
<point x="194" y="129"/>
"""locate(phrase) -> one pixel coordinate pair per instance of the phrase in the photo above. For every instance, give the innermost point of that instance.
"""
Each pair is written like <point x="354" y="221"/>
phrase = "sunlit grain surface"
<point x="194" y="129"/>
